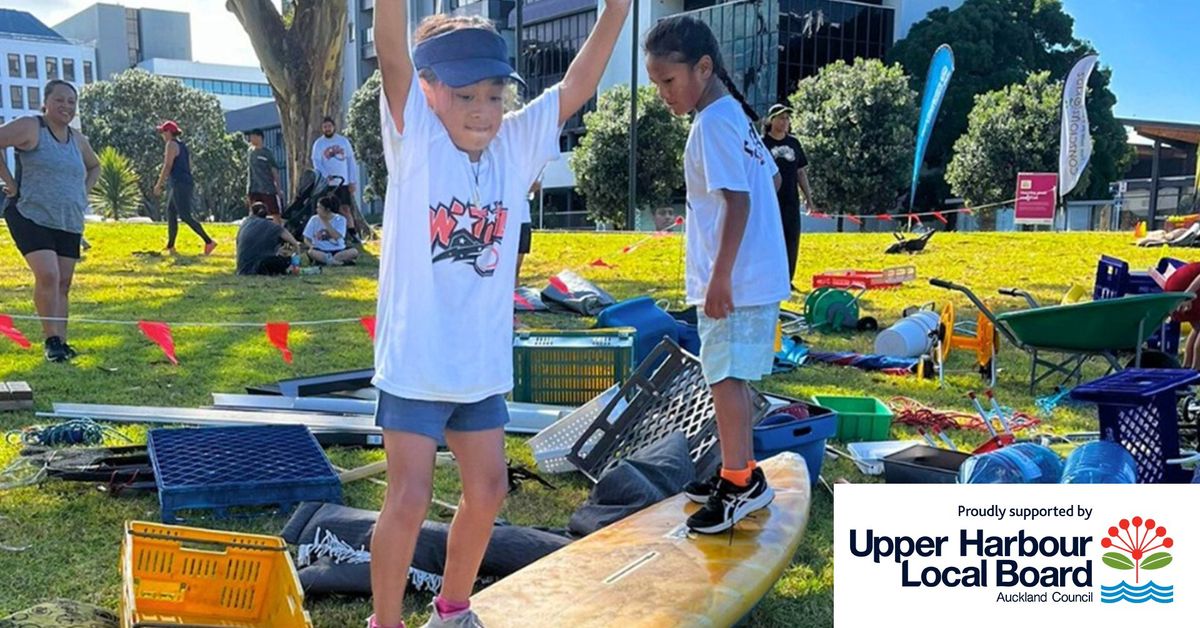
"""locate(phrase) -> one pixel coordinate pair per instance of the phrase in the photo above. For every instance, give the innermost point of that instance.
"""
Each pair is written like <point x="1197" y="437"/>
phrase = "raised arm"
<point x="395" y="61"/>
<point x="583" y="76"/>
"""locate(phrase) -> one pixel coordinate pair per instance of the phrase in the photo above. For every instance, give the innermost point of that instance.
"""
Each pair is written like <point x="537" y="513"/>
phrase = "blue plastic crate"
<point x="1114" y="280"/>
<point x="1138" y="409"/>
<point x="217" y="468"/>
<point x="781" y="432"/>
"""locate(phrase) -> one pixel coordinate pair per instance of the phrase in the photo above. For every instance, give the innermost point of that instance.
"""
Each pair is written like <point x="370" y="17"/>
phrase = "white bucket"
<point x="910" y="337"/>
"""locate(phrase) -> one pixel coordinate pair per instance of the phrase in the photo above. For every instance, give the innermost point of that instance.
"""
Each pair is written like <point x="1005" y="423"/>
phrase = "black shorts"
<point x="343" y="195"/>
<point x="31" y="236"/>
<point x="526" y="241"/>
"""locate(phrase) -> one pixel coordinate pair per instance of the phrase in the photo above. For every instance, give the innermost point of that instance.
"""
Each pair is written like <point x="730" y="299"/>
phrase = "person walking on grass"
<point x="793" y="170"/>
<point x="45" y="203"/>
<point x="325" y="235"/>
<point x="333" y="158"/>
<point x="736" y="263"/>
<point x="262" y="178"/>
<point x="177" y="169"/>
<point x="459" y="169"/>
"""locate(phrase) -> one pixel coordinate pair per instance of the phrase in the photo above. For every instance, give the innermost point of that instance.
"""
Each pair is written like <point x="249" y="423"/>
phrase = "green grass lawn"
<point x="73" y="531"/>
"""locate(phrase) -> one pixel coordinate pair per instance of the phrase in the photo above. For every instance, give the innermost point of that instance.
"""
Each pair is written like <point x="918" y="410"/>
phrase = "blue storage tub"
<point x="783" y="432"/>
<point x="643" y="314"/>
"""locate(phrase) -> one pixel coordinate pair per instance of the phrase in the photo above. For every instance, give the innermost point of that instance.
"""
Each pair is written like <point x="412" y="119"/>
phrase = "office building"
<point x="31" y="54"/>
<point x="235" y="86"/>
<point x="124" y="37"/>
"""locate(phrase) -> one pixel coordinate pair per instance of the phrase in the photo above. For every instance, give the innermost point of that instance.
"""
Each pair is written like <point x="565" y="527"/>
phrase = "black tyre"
<point x="1155" y="360"/>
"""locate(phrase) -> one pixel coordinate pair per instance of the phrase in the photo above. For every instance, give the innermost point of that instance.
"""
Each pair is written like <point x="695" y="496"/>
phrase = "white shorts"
<point x="739" y="346"/>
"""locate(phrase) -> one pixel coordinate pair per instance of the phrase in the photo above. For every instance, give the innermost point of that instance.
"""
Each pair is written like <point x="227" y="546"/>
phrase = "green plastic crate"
<point x="859" y="418"/>
<point x="570" y="367"/>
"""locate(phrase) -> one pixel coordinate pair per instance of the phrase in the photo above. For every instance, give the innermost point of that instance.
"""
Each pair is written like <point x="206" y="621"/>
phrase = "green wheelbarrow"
<point x="1076" y="333"/>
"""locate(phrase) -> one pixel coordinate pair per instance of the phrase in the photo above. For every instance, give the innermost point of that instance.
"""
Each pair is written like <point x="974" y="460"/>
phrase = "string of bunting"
<point x="159" y="332"/>
<point x="911" y="216"/>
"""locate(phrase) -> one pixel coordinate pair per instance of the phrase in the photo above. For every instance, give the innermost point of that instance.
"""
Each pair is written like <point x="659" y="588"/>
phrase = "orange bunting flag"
<point x="368" y="323"/>
<point x="277" y="333"/>
<point x="6" y="328"/>
<point x="915" y="217"/>
<point x="854" y="219"/>
<point x="160" y="334"/>
<point x="600" y="263"/>
<point x="627" y="248"/>
<point x="940" y="217"/>
<point x="678" y="220"/>
<point x="883" y="216"/>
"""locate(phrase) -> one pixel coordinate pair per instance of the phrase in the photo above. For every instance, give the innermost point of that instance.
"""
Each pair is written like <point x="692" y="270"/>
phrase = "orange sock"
<point x="752" y="465"/>
<point x="740" y="477"/>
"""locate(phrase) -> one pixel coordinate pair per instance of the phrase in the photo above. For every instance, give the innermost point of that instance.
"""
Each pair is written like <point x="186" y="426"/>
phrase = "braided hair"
<point x="686" y="39"/>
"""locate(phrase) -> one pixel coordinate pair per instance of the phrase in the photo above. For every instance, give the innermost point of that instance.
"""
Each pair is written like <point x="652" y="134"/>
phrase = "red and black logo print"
<point x="461" y="232"/>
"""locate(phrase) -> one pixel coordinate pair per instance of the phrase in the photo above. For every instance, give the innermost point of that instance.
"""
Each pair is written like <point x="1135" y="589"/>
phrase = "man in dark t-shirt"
<point x="258" y="241"/>
<point x="262" y="180"/>
<point x="793" y="170"/>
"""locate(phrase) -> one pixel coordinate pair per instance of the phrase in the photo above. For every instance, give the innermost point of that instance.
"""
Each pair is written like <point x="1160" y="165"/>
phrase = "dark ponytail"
<point x="686" y="39"/>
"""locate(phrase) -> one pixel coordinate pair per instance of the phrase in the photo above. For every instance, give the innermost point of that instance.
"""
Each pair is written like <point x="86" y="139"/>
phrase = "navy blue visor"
<point x="465" y="56"/>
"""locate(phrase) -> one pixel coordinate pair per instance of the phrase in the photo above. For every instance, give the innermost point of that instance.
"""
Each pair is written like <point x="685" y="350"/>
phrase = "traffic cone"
<point x="1139" y="231"/>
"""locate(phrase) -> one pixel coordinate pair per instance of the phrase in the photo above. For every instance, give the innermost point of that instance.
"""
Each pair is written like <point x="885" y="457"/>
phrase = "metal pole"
<point x="520" y="38"/>
<point x="1153" y="186"/>
<point x="633" y="98"/>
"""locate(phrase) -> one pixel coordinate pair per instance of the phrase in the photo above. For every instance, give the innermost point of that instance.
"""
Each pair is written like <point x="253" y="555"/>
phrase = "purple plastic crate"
<point x="1138" y="409"/>
<point x="1114" y="280"/>
<point x="217" y="468"/>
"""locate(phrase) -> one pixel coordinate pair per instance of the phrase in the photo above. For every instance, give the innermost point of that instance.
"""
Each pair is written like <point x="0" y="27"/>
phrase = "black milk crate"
<point x="667" y="393"/>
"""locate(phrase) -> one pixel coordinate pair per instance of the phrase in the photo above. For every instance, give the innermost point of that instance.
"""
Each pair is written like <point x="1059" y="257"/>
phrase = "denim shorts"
<point x="433" y="418"/>
<point x="739" y="346"/>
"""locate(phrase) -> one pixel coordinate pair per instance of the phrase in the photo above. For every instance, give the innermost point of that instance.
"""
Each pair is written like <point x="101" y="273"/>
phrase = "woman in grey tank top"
<point x="45" y="202"/>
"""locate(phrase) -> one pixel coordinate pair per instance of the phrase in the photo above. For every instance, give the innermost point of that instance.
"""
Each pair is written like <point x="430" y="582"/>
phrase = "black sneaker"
<point x="699" y="490"/>
<point x="56" y="350"/>
<point x="70" y="351"/>
<point x="730" y="504"/>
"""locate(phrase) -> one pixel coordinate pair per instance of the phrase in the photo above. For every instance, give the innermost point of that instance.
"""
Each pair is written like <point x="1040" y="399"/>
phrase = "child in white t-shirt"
<point x="325" y="235"/>
<point x="459" y="170"/>
<point x="736" y="261"/>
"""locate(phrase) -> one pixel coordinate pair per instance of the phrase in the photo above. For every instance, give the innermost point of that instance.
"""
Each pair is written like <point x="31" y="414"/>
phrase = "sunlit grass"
<point x="74" y="531"/>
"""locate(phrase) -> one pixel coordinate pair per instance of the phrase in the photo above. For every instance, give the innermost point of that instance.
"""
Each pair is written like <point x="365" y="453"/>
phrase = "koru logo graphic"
<point x="459" y="232"/>
<point x="1136" y="545"/>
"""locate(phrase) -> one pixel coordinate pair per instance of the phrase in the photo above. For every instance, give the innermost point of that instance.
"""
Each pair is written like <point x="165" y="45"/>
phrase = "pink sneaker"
<point x="208" y="248"/>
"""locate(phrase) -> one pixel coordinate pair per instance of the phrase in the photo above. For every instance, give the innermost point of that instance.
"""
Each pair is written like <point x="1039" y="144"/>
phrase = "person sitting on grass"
<point x="259" y="240"/>
<point x="325" y="235"/>
<point x="1187" y="279"/>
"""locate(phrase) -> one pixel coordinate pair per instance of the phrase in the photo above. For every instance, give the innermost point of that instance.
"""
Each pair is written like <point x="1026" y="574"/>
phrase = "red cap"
<point x="170" y="127"/>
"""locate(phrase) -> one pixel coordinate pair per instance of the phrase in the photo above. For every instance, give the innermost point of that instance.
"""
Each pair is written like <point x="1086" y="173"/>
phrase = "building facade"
<point x="31" y="54"/>
<point x="236" y="86"/>
<point x="125" y="37"/>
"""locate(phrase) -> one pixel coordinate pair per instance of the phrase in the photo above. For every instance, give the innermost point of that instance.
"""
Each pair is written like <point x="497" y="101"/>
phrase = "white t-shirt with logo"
<point x="324" y="239"/>
<point x="725" y="153"/>
<point x="444" y="319"/>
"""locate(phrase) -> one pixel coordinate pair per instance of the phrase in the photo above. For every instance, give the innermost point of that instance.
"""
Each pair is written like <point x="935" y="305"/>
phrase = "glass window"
<point x="31" y="69"/>
<point x="16" y="97"/>
<point x="51" y="68"/>
<point x="14" y="65"/>
<point x="87" y="72"/>
<point x="69" y="70"/>
<point x="35" y="98"/>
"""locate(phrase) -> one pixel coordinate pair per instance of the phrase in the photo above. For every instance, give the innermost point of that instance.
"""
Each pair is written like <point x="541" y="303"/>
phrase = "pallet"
<point x="15" y="396"/>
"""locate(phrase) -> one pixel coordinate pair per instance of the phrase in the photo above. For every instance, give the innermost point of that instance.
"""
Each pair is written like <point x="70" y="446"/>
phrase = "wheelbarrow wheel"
<point x="868" y="323"/>
<point x="1154" y="360"/>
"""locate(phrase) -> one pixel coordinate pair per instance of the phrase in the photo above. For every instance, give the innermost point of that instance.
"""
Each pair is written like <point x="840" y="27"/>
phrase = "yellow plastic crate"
<point x="189" y="577"/>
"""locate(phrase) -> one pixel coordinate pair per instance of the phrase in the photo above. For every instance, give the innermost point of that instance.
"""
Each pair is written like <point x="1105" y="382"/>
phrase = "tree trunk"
<point x="303" y="65"/>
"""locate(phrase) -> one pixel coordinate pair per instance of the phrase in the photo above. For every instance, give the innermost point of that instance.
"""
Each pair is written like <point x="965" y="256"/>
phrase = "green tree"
<point x="301" y="56"/>
<point x="116" y="192"/>
<point x="601" y="161"/>
<point x="1011" y="130"/>
<point x="857" y="123"/>
<point x="998" y="43"/>
<point x="123" y="113"/>
<point x="362" y="129"/>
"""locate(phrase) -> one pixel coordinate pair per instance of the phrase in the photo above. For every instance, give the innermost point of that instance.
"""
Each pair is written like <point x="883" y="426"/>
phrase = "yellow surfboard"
<point x="646" y="570"/>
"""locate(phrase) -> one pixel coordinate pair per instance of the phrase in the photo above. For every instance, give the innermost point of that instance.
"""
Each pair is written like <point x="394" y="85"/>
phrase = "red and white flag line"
<point x="159" y="332"/>
<point x="910" y="216"/>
